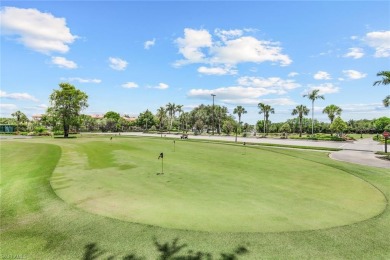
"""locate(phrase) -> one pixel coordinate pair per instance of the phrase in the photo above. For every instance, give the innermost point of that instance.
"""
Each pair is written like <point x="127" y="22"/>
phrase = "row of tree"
<point x="67" y="102"/>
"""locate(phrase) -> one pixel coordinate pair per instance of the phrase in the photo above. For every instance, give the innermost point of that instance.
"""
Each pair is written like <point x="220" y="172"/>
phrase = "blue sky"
<point x="131" y="56"/>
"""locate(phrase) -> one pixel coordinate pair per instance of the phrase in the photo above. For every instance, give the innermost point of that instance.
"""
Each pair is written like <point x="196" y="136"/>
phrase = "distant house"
<point x="37" y="117"/>
<point x="97" y="116"/>
<point x="129" y="118"/>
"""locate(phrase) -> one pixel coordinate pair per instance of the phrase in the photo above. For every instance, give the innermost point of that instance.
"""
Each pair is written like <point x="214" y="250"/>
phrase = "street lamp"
<point x="213" y="112"/>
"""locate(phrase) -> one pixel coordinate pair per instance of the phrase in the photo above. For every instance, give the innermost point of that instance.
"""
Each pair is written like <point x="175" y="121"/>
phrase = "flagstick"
<point x="162" y="165"/>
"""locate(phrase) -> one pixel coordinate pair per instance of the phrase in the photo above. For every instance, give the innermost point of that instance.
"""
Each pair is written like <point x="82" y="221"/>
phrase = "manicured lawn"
<point x="214" y="197"/>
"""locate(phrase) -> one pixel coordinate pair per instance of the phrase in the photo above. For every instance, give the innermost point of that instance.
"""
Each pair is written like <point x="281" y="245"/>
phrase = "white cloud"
<point x="18" y="96"/>
<point x="234" y="48"/>
<point x="292" y="74"/>
<point x="280" y="86"/>
<point x="322" y="75"/>
<point x="117" y="63"/>
<point x="380" y="41"/>
<point x="83" y="80"/>
<point x="63" y="63"/>
<point x="326" y="88"/>
<point x="42" y="106"/>
<point x="278" y="101"/>
<point x="130" y="85"/>
<point x="161" y="86"/>
<point x="248" y="49"/>
<point x="354" y="37"/>
<point x="190" y="46"/>
<point x="41" y="32"/>
<point x="8" y="107"/>
<point x="149" y="44"/>
<point x="248" y="91"/>
<point x="217" y="70"/>
<point x="353" y="74"/>
<point x="228" y="34"/>
<point x="355" y="53"/>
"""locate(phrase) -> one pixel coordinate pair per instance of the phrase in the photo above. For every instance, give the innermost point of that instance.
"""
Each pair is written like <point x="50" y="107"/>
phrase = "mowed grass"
<point x="210" y="187"/>
<point x="39" y="225"/>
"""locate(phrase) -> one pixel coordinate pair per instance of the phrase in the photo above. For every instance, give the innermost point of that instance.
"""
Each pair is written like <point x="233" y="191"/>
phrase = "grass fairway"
<point x="278" y="203"/>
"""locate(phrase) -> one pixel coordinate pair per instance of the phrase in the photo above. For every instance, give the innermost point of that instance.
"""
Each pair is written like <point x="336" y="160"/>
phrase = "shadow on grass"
<point x="167" y="251"/>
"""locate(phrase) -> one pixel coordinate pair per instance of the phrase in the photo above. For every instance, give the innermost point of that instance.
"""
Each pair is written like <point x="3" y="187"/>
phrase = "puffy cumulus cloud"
<point x="353" y="74"/>
<point x="248" y="49"/>
<point x="41" y="32"/>
<point x="355" y="53"/>
<point x="190" y="46"/>
<point x="326" y="88"/>
<point x="63" y="63"/>
<point x="84" y="80"/>
<point x="117" y="63"/>
<point x="322" y="75"/>
<point x="380" y="41"/>
<point x="149" y="44"/>
<point x="17" y="96"/>
<point x="248" y="91"/>
<point x="130" y="85"/>
<point x="217" y="70"/>
<point x="233" y="48"/>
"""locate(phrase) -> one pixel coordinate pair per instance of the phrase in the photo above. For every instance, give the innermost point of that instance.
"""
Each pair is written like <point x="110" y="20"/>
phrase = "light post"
<point x="213" y="112"/>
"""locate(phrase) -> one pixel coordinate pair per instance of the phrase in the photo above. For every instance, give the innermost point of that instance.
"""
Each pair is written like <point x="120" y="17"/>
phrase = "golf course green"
<point x="210" y="187"/>
<point x="60" y="195"/>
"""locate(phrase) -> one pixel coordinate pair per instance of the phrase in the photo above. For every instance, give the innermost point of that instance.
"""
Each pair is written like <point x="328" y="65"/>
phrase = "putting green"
<point x="210" y="187"/>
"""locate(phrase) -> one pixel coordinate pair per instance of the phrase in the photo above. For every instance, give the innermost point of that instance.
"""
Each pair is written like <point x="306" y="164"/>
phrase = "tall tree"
<point x="262" y="108"/>
<point x="386" y="101"/>
<point x="385" y="78"/>
<point x="239" y="110"/>
<point x="301" y="111"/>
<point x="179" y="109"/>
<point x="66" y="104"/>
<point x="266" y="110"/>
<point x="20" y="117"/>
<point x="171" y="109"/>
<point x="161" y="115"/>
<point x="313" y="96"/>
<point x="332" y="111"/>
<point x="384" y="81"/>
<point x="184" y="120"/>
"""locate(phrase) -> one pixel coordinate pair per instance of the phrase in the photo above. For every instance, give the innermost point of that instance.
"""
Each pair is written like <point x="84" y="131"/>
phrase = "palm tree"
<point x="239" y="110"/>
<point x="20" y="118"/>
<point x="301" y="111"/>
<point x="262" y="107"/>
<point x="171" y="109"/>
<point x="179" y="110"/>
<point x="266" y="110"/>
<point x="184" y="119"/>
<point x="386" y="101"/>
<point x="385" y="81"/>
<point x="385" y="78"/>
<point x="161" y="114"/>
<point x="332" y="111"/>
<point x="313" y="96"/>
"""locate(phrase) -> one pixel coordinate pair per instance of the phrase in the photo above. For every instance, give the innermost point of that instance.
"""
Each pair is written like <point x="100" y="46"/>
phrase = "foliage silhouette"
<point x="167" y="251"/>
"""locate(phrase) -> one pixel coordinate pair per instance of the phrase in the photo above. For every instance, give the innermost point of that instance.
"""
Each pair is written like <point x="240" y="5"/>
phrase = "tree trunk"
<point x="300" y="127"/>
<point x="66" y="131"/>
